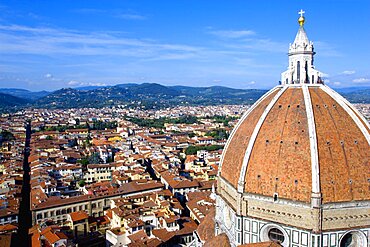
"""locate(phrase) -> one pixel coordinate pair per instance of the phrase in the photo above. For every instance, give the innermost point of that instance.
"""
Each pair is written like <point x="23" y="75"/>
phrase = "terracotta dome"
<point x="295" y="169"/>
<point x="297" y="140"/>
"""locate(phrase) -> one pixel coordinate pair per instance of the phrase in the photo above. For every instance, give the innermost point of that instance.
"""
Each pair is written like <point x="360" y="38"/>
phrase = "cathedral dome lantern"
<point x="295" y="169"/>
<point x="301" y="52"/>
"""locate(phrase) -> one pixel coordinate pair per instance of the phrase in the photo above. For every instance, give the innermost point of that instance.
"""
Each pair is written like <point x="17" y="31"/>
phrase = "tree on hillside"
<point x="6" y="136"/>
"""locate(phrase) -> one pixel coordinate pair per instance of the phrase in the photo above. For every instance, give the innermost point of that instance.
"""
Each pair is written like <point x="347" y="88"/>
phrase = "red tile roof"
<point x="80" y="215"/>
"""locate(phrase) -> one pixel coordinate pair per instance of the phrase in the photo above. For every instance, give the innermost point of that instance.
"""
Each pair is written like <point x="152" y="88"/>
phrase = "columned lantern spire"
<point x="301" y="69"/>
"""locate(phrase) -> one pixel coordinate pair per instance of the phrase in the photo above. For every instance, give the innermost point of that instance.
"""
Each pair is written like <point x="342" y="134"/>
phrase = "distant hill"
<point x="23" y="93"/>
<point x="222" y="93"/>
<point x="9" y="101"/>
<point x="127" y="85"/>
<point x="147" y="90"/>
<point x="148" y="96"/>
<point x="358" y="96"/>
<point x="153" y="96"/>
<point x="88" y="88"/>
<point x="350" y="89"/>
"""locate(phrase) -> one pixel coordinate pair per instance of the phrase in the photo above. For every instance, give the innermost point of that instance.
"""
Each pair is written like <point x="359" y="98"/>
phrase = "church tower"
<point x="301" y="52"/>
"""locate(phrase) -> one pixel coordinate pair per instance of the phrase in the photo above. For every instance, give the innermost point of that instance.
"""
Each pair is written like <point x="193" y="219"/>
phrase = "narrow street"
<point x="24" y="218"/>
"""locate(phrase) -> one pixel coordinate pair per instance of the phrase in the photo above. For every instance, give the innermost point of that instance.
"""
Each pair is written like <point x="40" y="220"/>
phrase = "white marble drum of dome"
<point x="295" y="169"/>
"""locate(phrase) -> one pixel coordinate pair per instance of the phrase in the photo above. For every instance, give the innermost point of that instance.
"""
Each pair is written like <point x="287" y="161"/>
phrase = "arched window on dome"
<point x="298" y="71"/>
<point x="292" y="80"/>
<point x="217" y="228"/>
<point x="306" y="80"/>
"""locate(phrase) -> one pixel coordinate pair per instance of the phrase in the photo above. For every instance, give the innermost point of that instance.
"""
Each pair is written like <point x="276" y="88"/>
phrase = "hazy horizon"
<point x="79" y="87"/>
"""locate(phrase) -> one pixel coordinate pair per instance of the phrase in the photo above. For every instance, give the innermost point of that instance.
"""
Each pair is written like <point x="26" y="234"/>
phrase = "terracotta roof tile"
<point x="80" y="215"/>
<point x="206" y="229"/>
<point x="281" y="153"/>
<point x="163" y="234"/>
<point x="232" y="162"/>
<point x="218" y="241"/>
<point x="8" y="228"/>
<point x="344" y="154"/>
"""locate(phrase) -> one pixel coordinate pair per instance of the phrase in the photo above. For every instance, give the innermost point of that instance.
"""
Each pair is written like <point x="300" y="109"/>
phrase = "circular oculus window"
<point x="276" y="235"/>
<point x="353" y="239"/>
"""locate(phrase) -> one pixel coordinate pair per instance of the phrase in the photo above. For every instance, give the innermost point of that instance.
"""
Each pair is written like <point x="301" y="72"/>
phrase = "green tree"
<point x="191" y="150"/>
<point x="191" y="134"/>
<point x="81" y="183"/>
<point x="218" y="134"/>
<point x="100" y="125"/>
<point x="6" y="136"/>
<point x="83" y="161"/>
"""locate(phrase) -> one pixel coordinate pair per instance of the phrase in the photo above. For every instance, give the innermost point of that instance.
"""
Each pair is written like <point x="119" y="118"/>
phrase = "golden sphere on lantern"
<point x="301" y="21"/>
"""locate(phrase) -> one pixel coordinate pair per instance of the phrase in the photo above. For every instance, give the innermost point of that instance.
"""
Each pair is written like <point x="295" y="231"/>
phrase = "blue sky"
<point x="47" y="45"/>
